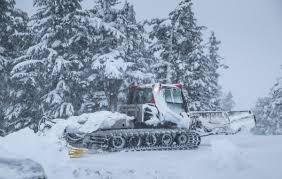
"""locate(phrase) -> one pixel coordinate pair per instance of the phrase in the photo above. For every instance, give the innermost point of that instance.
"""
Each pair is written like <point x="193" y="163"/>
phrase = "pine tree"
<point x="215" y="63"/>
<point x="261" y="112"/>
<point x="176" y="38"/>
<point x="197" y="80"/>
<point x="14" y="31"/>
<point x="268" y="112"/>
<point x="275" y="115"/>
<point x="121" y="58"/>
<point x="14" y="39"/>
<point x="201" y="76"/>
<point x="182" y="56"/>
<point x="161" y="47"/>
<point x="50" y="73"/>
<point x="227" y="103"/>
<point x="134" y="46"/>
<point x="109" y="63"/>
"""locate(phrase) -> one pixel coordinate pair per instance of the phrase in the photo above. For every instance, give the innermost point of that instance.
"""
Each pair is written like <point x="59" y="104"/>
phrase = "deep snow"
<point x="233" y="157"/>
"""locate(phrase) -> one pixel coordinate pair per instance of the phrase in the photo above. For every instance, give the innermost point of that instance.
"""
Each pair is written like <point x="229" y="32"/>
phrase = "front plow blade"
<point x="224" y="122"/>
<point x="77" y="153"/>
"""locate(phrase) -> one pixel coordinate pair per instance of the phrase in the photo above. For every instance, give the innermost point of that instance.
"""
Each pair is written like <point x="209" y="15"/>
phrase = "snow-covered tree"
<point x="276" y="107"/>
<point x="227" y="103"/>
<point x="268" y="111"/>
<point x="109" y="62"/>
<point x="201" y="75"/>
<point x="14" y="39"/>
<point x="13" y="34"/>
<point x="175" y="38"/>
<point x="182" y="56"/>
<point x="197" y="81"/>
<point x="161" y="47"/>
<point x="261" y="112"/>
<point x="50" y="72"/>
<point x="120" y="58"/>
<point x="215" y="63"/>
<point x="135" y="47"/>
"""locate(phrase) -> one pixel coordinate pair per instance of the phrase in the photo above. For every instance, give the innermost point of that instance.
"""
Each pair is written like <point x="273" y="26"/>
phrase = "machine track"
<point x="138" y="140"/>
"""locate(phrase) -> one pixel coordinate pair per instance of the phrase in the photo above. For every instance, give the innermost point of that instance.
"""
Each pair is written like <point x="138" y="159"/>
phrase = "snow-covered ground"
<point x="239" y="156"/>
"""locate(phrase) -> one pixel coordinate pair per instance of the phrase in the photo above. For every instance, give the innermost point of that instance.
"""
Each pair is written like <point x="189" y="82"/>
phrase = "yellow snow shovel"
<point x="77" y="152"/>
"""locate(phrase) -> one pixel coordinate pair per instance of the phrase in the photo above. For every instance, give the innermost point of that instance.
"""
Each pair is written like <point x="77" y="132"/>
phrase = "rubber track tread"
<point x="101" y="139"/>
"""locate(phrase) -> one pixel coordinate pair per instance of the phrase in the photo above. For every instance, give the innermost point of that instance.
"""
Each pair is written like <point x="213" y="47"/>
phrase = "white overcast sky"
<point x="251" y="35"/>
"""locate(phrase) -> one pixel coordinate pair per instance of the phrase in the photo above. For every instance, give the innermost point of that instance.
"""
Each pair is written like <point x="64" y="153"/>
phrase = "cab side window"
<point x="142" y="96"/>
<point x="168" y="97"/>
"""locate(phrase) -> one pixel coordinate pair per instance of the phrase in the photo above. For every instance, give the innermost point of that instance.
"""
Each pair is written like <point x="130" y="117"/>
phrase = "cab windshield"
<point x="174" y="99"/>
<point x="173" y="95"/>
